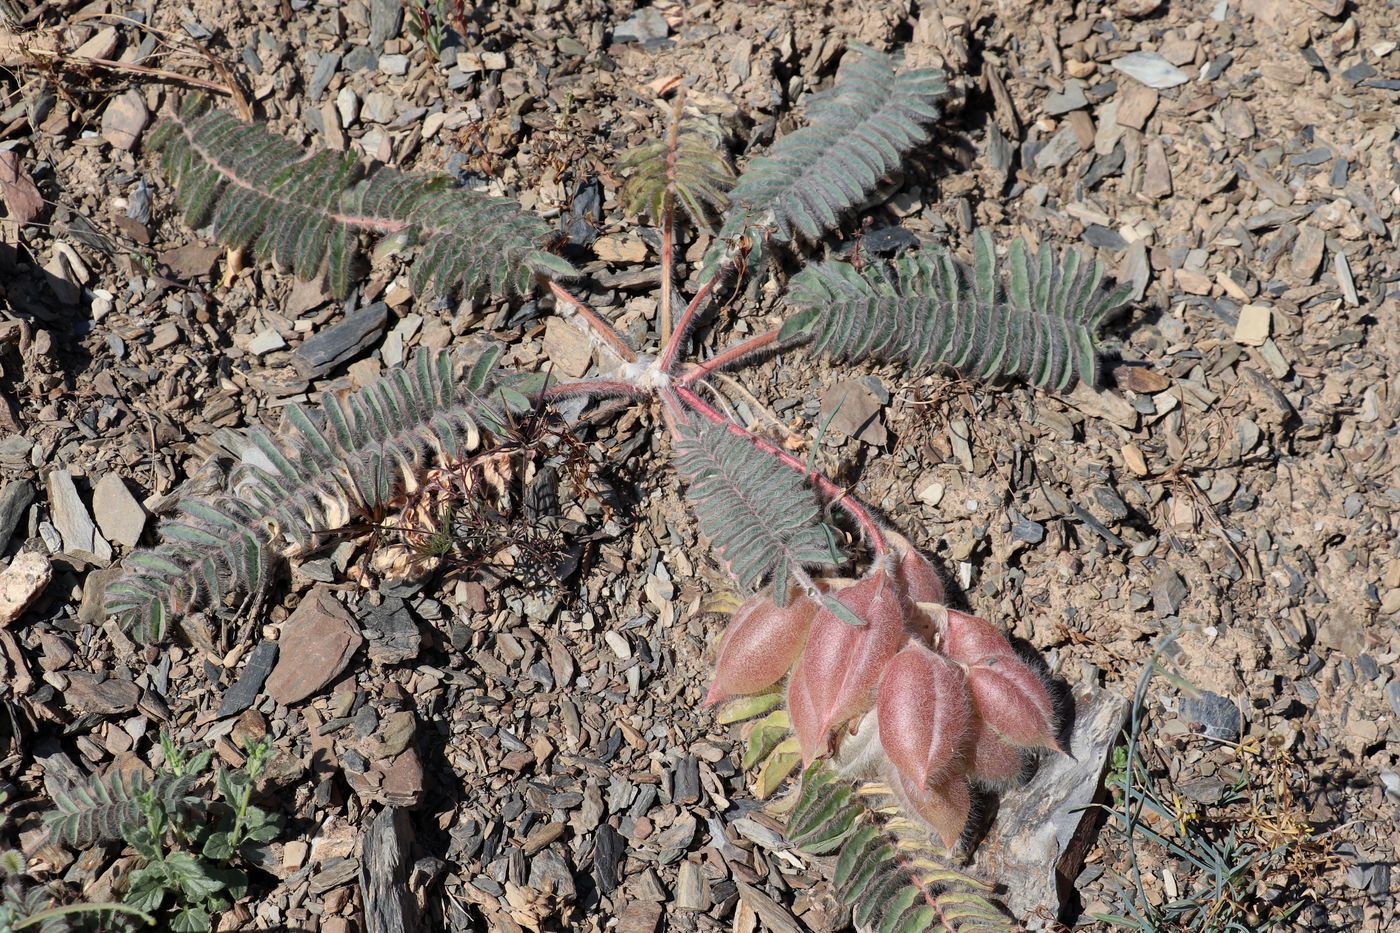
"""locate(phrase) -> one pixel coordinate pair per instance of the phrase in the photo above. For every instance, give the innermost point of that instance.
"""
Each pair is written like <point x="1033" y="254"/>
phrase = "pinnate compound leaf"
<point x="1037" y="319"/>
<point x="307" y="211"/>
<point x="686" y="167"/>
<point x="761" y="518"/>
<point x="348" y="460"/>
<point x="103" y="808"/>
<point x="882" y="869"/>
<point x="857" y="133"/>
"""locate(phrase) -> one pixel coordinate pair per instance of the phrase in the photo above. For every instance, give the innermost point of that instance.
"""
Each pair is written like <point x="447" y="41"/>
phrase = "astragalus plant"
<point x="884" y="683"/>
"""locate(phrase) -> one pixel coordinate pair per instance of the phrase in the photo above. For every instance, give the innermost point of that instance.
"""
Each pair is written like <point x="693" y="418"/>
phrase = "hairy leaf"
<point x="883" y="871"/>
<point x="857" y="133"/>
<point x="759" y="516"/>
<point x="362" y="451"/>
<point x="1038" y="318"/>
<point x="101" y="809"/>
<point x="686" y="167"/>
<point x="307" y="211"/>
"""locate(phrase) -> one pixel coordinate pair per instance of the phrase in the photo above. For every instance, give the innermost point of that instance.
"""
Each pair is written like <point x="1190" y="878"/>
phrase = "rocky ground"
<point x="538" y="759"/>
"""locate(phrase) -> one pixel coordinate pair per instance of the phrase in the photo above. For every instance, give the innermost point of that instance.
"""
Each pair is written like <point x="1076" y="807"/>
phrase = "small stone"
<point x="249" y="684"/>
<point x="1308" y="252"/>
<point x="855" y="411"/>
<point x="265" y="342"/>
<point x="1137" y="105"/>
<point x="124" y="119"/>
<point x="1063" y="146"/>
<point x="379" y="107"/>
<point x="1071" y="98"/>
<point x="1192" y="282"/>
<point x="692" y="890"/>
<point x="1239" y="122"/>
<point x="1168" y="592"/>
<point x="118" y="514"/>
<point x="1028" y="531"/>
<point x="1151" y="69"/>
<point x="643" y="25"/>
<point x="931" y="493"/>
<point x="21" y="583"/>
<point x="89" y="693"/>
<point x="620" y="249"/>
<point x="347" y="104"/>
<point x="569" y="349"/>
<point x="74" y="524"/>
<point x="394" y="65"/>
<point x="14" y="502"/>
<point x="639" y="917"/>
<point x="1137" y="9"/>
<point x="341" y="342"/>
<point x="102" y="44"/>
<point x="1343" y="269"/>
<point x="1133" y="457"/>
<point x="1218" y="716"/>
<point x="316" y="644"/>
<point x="1157" y="179"/>
<point x="392" y="632"/>
<point x="1252" y="329"/>
<point x="326" y="69"/>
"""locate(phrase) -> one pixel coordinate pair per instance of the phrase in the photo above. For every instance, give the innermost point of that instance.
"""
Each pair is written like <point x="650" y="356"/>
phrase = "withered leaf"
<point x="22" y="199"/>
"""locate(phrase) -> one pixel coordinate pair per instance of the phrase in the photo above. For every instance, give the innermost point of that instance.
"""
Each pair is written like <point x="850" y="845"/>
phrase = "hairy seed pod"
<point x="990" y="760"/>
<point x="920" y="580"/>
<point x="944" y="807"/>
<point x="835" y="678"/>
<point x="1011" y="699"/>
<point x="924" y="713"/>
<point x="759" y="646"/>
<point x="969" y="640"/>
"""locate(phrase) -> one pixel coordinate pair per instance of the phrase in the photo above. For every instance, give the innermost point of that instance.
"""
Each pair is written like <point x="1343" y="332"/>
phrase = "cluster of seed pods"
<point x="933" y="700"/>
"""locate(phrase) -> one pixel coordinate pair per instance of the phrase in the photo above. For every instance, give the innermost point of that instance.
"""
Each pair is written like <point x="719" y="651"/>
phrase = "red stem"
<point x="605" y="330"/>
<point x="826" y="487"/>
<point x="726" y="357"/>
<point x="668" y="355"/>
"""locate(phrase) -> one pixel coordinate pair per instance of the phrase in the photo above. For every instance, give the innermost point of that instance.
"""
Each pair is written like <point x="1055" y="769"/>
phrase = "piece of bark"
<point x="1044" y="829"/>
<point x="384" y="865"/>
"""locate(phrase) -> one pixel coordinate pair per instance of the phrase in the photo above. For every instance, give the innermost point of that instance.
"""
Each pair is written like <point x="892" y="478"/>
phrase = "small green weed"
<point x="188" y="842"/>
<point x="1242" y="863"/>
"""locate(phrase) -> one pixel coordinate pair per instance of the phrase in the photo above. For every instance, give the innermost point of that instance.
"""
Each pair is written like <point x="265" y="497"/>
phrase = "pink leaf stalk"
<point x="835" y="678"/>
<point x="759" y="646"/>
<point x="924" y="714"/>
<point x="1012" y="700"/>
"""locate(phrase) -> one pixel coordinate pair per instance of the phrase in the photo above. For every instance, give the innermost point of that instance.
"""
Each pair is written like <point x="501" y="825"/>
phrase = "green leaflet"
<point x="1036" y="318"/>
<point x="261" y="191"/>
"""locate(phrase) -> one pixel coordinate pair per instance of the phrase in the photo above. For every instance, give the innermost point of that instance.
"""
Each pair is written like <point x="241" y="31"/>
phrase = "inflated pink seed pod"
<point x="807" y="723"/>
<point x="835" y="677"/>
<point x="760" y="645"/>
<point x="919" y="578"/>
<point x="990" y="760"/>
<point x="944" y="807"/>
<point x="924" y="713"/>
<point x="969" y="640"/>
<point x="1012" y="701"/>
